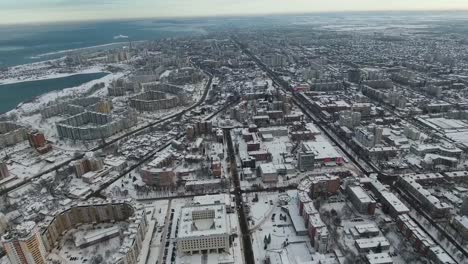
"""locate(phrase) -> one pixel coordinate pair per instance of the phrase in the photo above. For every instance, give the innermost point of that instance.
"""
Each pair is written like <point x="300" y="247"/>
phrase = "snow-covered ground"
<point x="265" y="221"/>
<point x="42" y="72"/>
<point x="44" y="99"/>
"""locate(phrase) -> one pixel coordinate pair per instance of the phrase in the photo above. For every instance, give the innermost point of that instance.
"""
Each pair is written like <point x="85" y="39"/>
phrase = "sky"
<point x="27" y="11"/>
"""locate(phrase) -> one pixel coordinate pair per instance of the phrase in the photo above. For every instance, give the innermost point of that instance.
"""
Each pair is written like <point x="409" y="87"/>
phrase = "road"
<point x="167" y="223"/>
<point x="244" y="227"/>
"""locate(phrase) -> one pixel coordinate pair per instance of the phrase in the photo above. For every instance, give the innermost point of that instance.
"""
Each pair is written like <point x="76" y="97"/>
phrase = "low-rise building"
<point x="162" y="177"/>
<point x="203" y="228"/>
<point x="431" y="203"/>
<point x="361" y="200"/>
<point x="417" y="237"/>
<point x="371" y="244"/>
<point x="268" y="172"/>
<point x="324" y="152"/>
<point x="460" y="223"/>
<point x="365" y="230"/>
<point x="379" y="258"/>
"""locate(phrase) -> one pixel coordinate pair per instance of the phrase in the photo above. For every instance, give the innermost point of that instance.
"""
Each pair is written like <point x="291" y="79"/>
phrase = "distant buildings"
<point x="94" y="125"/>
<point x="369" y="137"/>
<point x="198" y="129"/>
<point x="349" y="119"/>
<point x="71" y="107"/>
<point x="157" y="96"/>
<point x="11" y="134"/>
<point x="354" y="75"/>
<point x="153" y="101"/>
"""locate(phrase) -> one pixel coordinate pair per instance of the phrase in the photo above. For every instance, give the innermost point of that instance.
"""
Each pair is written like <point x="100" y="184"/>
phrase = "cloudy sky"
<point x="22" y="11"/>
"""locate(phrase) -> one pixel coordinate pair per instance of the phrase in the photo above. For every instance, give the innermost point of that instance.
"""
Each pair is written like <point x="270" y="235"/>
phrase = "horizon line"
<point x="71" y="21"/>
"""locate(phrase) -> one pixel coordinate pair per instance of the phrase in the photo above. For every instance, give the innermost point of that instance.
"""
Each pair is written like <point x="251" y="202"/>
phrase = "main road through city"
<point x="363" y="164"/>
<point x="244" y="226"/>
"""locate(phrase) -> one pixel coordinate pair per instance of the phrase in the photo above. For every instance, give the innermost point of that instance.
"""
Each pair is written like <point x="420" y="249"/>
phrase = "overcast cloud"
<point x="21" y="11"/>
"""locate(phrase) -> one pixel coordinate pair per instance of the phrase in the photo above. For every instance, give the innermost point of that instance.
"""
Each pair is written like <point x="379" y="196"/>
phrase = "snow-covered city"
<point x="321" y="145"/>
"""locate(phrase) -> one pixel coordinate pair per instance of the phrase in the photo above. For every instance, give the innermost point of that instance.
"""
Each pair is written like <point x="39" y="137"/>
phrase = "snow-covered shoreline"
<point x="81" y="49"/>
<point x="53" y="75"/>
<point x="44" y="99"/>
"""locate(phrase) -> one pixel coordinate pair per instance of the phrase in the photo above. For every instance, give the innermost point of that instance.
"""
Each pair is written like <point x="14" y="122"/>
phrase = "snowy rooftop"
<point x="203" y="220"/>
<point x="360" y="194"/>
<point x="114" y="161"/>
<point x="455" y="174"/>
<point x="396" y="203"/>
<point x="463" y="220"/>
<point x="268" y="168"/>
<point x="312" y="128"/>
<point x="20" y="231"/>
<point x="212" y="199"/>
<point x="297" y="220"/>
<point x="379" y="258"/>
<point x="366" y="228"/>
<point x="374" y="242"/>
<point x="321" y="148"/>
<point x="442" y="256"/>
<point x="427" y="195"/>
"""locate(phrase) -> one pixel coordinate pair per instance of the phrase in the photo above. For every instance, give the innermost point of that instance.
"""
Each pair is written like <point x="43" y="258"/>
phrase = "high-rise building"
<point x="464" y="207"/>
<point x="378" y="131"/>
<point x="36" y="139"/>
<point x="354" y="75"/>
<point x="86" y="165"/>
<point x="305" y="160"/>
<point x="24" y="245"/>
<point x="349" y="119"/>
<point x="4" y="173"/>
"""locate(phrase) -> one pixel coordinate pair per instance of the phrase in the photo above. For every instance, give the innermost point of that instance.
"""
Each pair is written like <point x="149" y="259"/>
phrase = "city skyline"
<point x="44" y="11"/>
